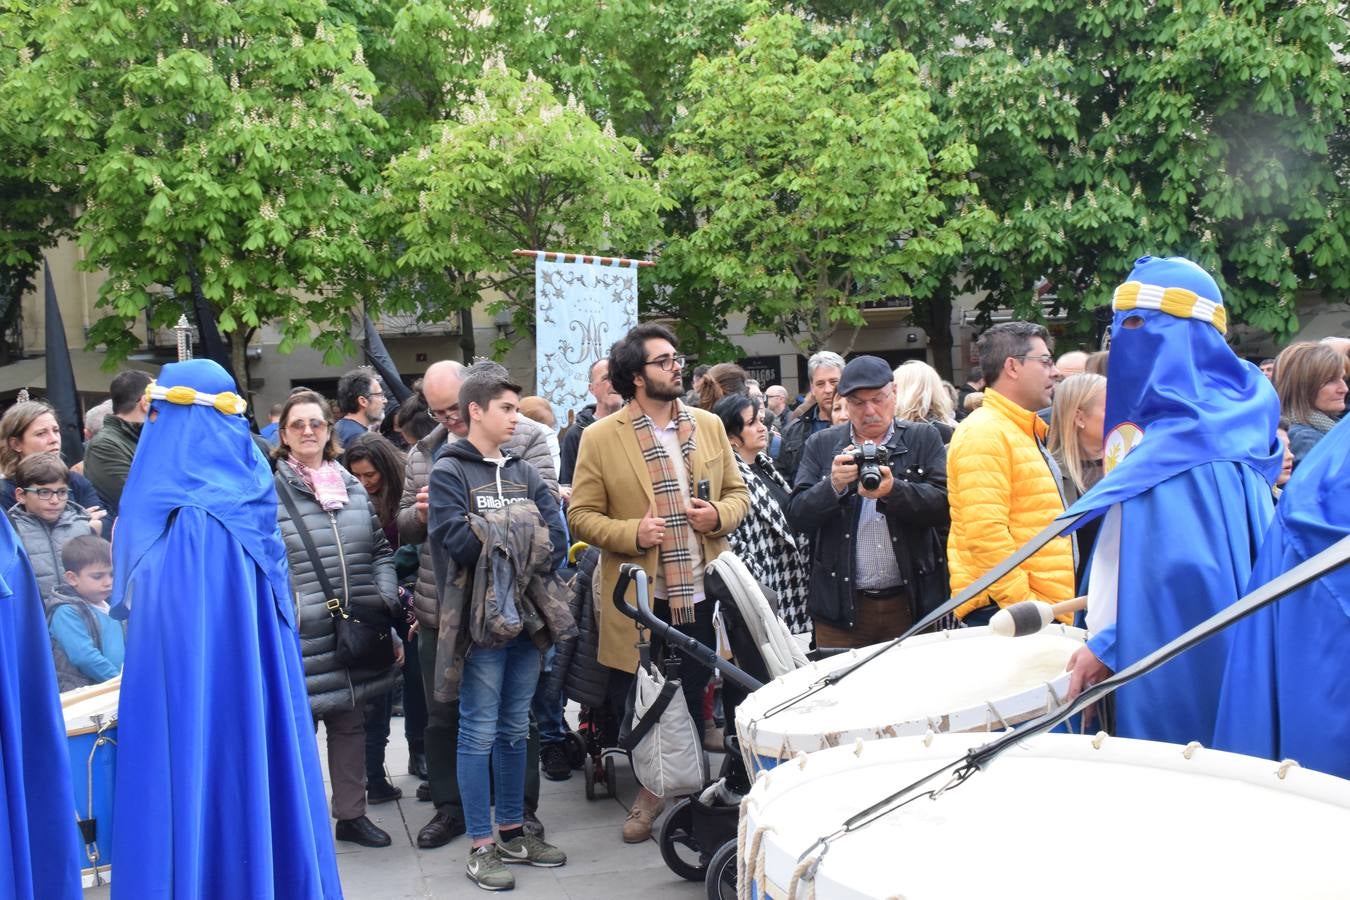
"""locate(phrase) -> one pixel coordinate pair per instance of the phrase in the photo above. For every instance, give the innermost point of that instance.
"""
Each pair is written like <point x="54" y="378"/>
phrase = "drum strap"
<point x="1335" y="556"/>
<point x="973" y="590"/>
<point x="961" y="769"/>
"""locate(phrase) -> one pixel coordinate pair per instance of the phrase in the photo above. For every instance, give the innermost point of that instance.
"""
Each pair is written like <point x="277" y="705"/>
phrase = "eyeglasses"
<point x="1047" y="360"/>
<point x="48" y="493"/>
<point x="448" y="416"/>
<point x="299" y="426"/>
<point x="666" y="363"/>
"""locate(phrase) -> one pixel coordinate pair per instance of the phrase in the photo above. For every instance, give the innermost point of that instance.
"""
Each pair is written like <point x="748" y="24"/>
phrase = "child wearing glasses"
<point x="88" y="644"/>
<point x="44" y="516"/>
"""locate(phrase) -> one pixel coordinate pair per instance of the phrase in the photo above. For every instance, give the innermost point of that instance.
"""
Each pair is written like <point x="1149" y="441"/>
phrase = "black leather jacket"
<point x="916" y="511"/>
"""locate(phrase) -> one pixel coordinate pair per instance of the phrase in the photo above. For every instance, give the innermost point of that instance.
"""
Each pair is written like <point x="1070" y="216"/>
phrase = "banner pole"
<point x="550" y="256"/>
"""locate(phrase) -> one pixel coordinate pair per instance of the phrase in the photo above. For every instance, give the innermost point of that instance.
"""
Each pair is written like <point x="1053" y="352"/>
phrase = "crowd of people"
<point x="883" y="492"/>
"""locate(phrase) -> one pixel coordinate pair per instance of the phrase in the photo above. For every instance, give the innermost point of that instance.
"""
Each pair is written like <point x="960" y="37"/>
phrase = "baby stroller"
<point x="579" y="677"/>
<point x="698" y="837"/>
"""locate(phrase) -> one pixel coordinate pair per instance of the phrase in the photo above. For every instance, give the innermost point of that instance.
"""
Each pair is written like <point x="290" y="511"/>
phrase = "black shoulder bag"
<point x="362" y="639"/>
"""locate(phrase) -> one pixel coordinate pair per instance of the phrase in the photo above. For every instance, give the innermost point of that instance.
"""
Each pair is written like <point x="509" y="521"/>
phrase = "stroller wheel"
<point x="611" y="777"/>
<point x="588" y="768"/>
<point x="678" y="847"/>
<point x="721" y="878"/>
<point x="576" y="749"/>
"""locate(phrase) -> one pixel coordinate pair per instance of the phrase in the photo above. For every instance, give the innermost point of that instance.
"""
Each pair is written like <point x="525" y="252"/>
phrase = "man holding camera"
<point x="873" y="494"/>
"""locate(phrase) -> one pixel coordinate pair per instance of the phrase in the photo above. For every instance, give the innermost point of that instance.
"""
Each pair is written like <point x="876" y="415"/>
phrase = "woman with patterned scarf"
<point x="1310" y="379"/>
<point x="778" y="557"/>
<point x="336" y="511"/>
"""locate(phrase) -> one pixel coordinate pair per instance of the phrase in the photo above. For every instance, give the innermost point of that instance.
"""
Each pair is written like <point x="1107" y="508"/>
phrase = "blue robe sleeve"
<point x="1103" y="646"/>
<point x="1286" y="689"/>
<point x="1187" y="547"/>
<point x="39" y="853"/>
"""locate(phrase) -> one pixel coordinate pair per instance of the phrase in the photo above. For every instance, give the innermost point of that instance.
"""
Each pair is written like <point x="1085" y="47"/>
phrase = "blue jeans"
<point x="494" y="721"/>
<point x="548" y="707"/>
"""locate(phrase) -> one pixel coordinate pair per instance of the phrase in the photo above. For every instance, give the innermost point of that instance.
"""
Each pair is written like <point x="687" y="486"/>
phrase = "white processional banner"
<point x="580" y="310"/>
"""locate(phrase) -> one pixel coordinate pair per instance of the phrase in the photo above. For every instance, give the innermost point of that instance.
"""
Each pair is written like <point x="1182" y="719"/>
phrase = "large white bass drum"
<point x="965" y="679"/>
<point x="1056" y="817"/>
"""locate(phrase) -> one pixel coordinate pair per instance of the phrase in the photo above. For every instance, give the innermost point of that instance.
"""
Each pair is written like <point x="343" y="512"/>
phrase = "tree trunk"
<point x="467" y="346"/>
<point x="937" y="323"/>
<point x="14" y="283"/>
<point x="239" y="360"/>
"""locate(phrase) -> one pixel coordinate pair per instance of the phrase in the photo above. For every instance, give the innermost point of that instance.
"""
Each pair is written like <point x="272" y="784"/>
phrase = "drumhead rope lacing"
<point x="742" y="882"/>
<point x="755" y="863"/>
<point x="998" y="715"/>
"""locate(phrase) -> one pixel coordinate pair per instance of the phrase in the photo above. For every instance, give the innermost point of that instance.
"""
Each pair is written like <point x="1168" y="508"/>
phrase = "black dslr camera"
<point x="869" y="458"/>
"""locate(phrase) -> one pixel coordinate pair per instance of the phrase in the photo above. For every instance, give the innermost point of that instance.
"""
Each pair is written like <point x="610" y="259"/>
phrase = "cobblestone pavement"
<point x="599" y="865"/>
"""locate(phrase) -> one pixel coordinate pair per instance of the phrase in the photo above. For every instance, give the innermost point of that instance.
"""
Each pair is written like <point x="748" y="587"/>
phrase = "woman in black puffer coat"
<point x="359" y="564"/>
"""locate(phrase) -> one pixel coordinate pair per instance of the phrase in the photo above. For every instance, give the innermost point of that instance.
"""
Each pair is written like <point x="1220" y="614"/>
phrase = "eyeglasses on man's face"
<point x="448" y="416"/>
<point x="47" y="493"/>
<point x="1046" y="360"/>
<point x="300" y="426"/>
<point x="667" y="363"/>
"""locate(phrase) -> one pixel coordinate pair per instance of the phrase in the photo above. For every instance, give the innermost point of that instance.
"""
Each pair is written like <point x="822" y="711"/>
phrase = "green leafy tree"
<point x="35" y="210"/>
<point x="219" y="149"/>
<point x="816" y="181"/>
<point x="1113" y="129"/>
<point x="518" y="169"/>
<point x="624" y="62"/>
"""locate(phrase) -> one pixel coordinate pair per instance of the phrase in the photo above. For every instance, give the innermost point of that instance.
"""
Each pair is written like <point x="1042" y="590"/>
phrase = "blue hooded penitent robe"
<point x="1286" y="690"/>
<point x="40" y="855"/>
<point x="1191" y="452"/>
<point x="219" y="792"/>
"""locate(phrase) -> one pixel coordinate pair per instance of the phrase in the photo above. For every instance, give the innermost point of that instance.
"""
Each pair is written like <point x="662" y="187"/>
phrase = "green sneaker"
<point x="532" y="851"/>
<point x="485" y="869"/>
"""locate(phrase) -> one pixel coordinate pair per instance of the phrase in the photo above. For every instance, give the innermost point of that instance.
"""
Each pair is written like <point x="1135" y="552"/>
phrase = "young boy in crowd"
<point x="44" y="516"/>
<point x="88" y="644"/>
<point x="474" y="478"/>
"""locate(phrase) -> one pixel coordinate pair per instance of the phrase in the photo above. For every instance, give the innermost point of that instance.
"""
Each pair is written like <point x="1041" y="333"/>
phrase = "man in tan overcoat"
<point x="636" y="496"/>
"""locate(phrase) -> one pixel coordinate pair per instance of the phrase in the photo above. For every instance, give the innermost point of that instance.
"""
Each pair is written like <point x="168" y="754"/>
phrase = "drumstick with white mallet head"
<point x="1030" y="616"/>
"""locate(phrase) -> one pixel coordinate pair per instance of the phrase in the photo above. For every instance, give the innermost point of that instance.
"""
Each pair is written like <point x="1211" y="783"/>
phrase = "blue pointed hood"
<point x="193" y="455"/>
<point x="1177" y="396"/>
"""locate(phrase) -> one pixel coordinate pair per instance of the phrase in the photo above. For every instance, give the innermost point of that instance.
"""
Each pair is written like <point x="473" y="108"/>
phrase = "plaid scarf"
<point x="677" y="562"/>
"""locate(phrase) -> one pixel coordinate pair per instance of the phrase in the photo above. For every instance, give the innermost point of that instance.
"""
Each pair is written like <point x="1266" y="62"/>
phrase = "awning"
<point x="90" y="376"/>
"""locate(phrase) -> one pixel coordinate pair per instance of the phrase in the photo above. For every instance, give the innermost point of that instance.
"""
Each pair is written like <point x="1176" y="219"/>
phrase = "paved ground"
<point x="599" y="865"/>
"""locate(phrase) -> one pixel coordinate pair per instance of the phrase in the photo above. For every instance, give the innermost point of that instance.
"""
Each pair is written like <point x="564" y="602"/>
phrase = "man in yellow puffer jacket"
<point x="1002" y="485"/>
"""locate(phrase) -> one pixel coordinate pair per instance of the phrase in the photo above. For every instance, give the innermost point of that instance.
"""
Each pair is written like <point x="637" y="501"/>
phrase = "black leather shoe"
<point x="424" y="792"/>
<point x="441" y="830"/>
<point x="532" y="825"/>
<point x="553" y="760"/>
<point x="362" y="831"/>
<point x="382" y="792"/>
<point x="417" y="765"/>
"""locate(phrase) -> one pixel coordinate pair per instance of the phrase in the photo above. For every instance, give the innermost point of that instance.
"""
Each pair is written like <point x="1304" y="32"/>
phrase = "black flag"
<point x="384" y="364"/>
<point x="216" y="349"/>
<point x="61" y="392"/>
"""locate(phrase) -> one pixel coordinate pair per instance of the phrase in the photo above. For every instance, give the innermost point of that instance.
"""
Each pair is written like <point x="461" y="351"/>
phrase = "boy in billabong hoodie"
<point x="474" y="476"/>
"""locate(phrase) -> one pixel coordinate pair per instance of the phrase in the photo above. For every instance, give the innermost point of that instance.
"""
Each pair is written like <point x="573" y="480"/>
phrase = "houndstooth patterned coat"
<point x="776" y="555"/>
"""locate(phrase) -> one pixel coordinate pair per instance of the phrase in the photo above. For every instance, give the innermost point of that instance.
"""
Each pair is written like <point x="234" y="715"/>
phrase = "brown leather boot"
<point x="645" y="809"/>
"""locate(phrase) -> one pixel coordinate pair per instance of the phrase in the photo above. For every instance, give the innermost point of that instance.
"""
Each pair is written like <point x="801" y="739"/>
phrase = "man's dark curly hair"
<point x="629" y="353"/>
